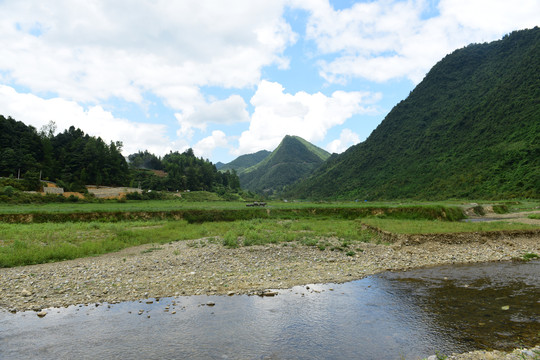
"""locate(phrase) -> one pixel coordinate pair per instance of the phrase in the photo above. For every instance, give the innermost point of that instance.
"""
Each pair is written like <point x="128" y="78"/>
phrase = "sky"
<point x="228" y="78"/>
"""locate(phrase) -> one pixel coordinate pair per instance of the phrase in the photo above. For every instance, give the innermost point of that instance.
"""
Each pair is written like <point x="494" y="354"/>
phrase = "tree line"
<point x="74" y="159"/>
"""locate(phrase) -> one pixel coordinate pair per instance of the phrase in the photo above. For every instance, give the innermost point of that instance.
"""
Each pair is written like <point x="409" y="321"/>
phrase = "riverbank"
<point x="517" y="354"/>
<point x="205" y="266"/>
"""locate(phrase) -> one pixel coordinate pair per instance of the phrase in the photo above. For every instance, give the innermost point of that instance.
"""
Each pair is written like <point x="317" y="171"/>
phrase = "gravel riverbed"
<point x="204" y="266"/>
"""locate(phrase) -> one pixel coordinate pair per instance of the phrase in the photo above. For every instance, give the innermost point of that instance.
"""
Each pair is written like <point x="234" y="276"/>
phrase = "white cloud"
<point x="229" y="111"/>
<point x="383" y="40"/>
<point x="347" y="138"/>
<point x="206" y="146"/>
<point x="95" y="121"/>
<point x="307" y="115"/>
<point x="92" y="51"/>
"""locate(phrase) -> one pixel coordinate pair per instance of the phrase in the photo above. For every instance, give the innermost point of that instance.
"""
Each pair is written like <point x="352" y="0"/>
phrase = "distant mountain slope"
<point x="245" y="161"/>
<point x="293" y="159"/>
<point x="470" y="129"/>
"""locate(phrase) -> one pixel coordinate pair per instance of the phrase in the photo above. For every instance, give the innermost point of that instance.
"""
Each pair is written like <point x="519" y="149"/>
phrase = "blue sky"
<point x="235" y="77"/>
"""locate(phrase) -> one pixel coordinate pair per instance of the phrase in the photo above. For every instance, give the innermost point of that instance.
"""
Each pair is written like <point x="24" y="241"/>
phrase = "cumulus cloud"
<point x="347" y="138"/>
<point x="229" y="111"/>
<point x="206" y="146"/>
<point x="278" y="113"/>
<point x="91" y="51"/>
<point x="383" y="40"/>
<point x="36" y="111"/>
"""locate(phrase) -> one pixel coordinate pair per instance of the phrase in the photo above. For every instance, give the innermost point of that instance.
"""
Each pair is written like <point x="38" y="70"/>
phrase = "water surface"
<point x="403" y="315"/>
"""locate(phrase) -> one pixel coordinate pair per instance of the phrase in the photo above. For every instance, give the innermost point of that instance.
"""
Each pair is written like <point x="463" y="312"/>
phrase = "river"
<point x="400" y="315"/>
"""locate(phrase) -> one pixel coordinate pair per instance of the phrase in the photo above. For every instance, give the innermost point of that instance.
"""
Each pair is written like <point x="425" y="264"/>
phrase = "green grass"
<point x="433" y="226"/>
<point x="530" y="256"/>
<point x="179" y="204"/>
<point x="534" y="216"/>
<point x="328" y="226"/>
<point x="24" y="244"/>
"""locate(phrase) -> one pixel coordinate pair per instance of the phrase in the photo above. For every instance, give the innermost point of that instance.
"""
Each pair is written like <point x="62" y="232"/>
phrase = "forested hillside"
<point x="180" y="171"/>
<point x="71" y="158"/>
<point x="470" y="129"/>
<point x="74" y="159"/>
<point x="293" y="159"/>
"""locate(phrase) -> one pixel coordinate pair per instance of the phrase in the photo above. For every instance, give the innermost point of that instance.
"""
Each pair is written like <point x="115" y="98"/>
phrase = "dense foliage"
<point x="470" y="129"/>
<point x="180" y="171"/>
<point x="292" y="160"/>
<point x="70" y="158"/>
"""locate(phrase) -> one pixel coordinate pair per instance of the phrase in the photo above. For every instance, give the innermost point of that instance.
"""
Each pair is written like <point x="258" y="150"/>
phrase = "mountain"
<point x="292" y="160"/>
<point x="470" y="129"/>
<point x="244" y="161"/>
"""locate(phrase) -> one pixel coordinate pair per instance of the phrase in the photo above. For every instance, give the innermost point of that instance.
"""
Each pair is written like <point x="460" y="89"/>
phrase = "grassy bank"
<point x="67" y="231"/>
<point x="23" y="244"/>
<point x="219" y="211"/>
<point x="398" y="226"/>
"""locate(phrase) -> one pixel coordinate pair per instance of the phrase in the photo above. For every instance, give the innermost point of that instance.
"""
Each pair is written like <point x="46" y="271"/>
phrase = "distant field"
<point x="179" y="204"/>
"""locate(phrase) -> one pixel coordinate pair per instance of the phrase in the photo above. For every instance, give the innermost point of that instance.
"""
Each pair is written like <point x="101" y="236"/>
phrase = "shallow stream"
<point x="402" y="315"/>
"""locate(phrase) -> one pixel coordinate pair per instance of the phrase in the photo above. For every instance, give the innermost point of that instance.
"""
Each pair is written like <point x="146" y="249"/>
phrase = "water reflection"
<point x="392" y="316"/>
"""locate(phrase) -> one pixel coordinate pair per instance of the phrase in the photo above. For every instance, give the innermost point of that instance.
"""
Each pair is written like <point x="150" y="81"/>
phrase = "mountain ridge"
<point x="471" y="128"/>
<point x="293" y="159"/>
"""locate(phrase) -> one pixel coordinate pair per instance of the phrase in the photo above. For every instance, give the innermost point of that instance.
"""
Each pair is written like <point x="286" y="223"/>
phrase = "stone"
<point x="25" y="293"/>
<point x="42" y="313"/>
<point x="210" y="303"/>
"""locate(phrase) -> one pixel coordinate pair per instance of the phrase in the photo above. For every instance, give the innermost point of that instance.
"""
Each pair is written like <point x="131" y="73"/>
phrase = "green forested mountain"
<point x="292" y="160"/>
<point x="245" y="161"/>
<point x="470" y="129"/>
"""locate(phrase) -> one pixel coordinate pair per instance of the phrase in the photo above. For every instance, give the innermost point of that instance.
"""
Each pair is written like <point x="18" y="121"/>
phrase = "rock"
<point x="25" y="293"/>
<point x="210" y="303"/>
<point x="42" y="313"/>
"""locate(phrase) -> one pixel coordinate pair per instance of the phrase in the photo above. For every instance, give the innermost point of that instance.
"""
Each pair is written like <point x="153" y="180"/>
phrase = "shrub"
<point x="8" y="190"/>
<point x="230" y="240"/>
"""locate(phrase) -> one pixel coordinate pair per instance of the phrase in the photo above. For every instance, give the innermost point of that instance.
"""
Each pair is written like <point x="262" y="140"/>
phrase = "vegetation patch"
<point x="398" y="226"/>
<point x="24" y="244"/>
<point x="500" y="209"/>
<point x="530" y="256"/>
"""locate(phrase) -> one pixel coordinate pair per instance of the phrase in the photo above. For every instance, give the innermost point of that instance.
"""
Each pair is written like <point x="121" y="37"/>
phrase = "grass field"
<point x="336" y="226"/>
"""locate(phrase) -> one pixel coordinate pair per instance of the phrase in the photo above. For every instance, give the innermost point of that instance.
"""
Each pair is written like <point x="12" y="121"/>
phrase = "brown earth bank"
<point x="205" y="266"/>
